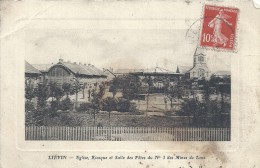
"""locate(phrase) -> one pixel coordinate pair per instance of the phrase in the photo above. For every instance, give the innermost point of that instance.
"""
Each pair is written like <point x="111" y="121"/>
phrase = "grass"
<point x="116" y="120"/>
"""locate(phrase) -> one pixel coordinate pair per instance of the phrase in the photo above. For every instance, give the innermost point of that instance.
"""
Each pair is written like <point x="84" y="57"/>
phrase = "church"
<point x="199" y="69"/>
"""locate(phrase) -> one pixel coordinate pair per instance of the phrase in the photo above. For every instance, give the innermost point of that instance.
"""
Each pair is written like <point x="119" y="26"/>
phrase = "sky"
<point x="119" y="49"/>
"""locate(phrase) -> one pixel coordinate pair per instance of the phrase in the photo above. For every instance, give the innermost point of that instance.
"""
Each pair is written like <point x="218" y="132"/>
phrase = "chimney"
<point x="61" y="60"/>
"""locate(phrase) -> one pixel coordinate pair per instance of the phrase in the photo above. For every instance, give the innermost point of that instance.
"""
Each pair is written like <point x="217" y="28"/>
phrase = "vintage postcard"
<point x="130" y="84"/>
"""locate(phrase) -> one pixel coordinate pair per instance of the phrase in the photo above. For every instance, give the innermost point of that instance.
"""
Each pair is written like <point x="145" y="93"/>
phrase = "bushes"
<point x="133" y="107"/>
<point x="71" y="120"/>
<point x="66" y="104"/>
<point x="206" y="114"/>
<point x="120" y="104"/>
<point x="109" y="104"/>
<point x="33" y="116"/>
<point x="29" y="110"/>
<point x="29" y="106"/>
<point x="123" y="105"/>
<point x="83" y="107"/>
<point x="54" y="106"/>
<point x="36" y="117"/>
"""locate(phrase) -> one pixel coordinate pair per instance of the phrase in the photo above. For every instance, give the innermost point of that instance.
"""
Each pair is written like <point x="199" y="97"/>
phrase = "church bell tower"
<point x="200" y="69"/>
<point x="199" y="58"/>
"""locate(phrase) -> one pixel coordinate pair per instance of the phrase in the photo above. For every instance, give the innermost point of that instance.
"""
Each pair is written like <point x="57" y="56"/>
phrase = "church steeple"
<point x="199" y="58"/>
<point x="177" y="71"/>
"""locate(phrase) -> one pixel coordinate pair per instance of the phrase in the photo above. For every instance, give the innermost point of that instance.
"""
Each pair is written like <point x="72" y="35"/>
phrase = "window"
<point x="201" y="59"/>
<point x="201" y="73"/>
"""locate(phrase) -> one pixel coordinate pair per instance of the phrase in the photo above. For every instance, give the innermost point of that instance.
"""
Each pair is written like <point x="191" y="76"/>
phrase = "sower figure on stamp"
<point x="216" y="24"/>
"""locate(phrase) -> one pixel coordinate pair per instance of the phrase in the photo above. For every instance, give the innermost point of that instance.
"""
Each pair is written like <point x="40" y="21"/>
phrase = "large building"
<point x="87" y="76"/>
<point x="67" y="72"/>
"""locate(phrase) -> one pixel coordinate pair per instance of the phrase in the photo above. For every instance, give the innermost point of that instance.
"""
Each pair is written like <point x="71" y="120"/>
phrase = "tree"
<point x="223" y="87"/>
<point x="37" y="116"/>
<point x="66" y="104"/>
<point x="207" y="90"/>
<point x="96" y="99"/>
<point x="56" y="92"/>
<point x="42" y="93"/>
<point x="67" y="89"/>
<point x="29" y="91"/>
<point x="128" y="84"/>
<point x="173" y="89"/>
<point x="195" y="109"/>
<point x="206" y="112"/>
<point x="131" y="86"/>
<point x="94" y="104"/>
<point x="83" y="86"/>
<point x="217" y="81"/>
<point x="175" y="92"/>
<point x="101" y="91"/>
<point x="149" y="81"/>
<point x="109" y="104"/>
<point x="115" y="85"/>
<point x="29" y="106"/>
<point x="76" y="86"/>
<point x="123" y="105"/>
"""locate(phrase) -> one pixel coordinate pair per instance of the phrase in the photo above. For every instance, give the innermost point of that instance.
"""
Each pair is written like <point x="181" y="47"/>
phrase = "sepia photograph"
<point x="124" y="85"/>
<point x="129" y="84"/>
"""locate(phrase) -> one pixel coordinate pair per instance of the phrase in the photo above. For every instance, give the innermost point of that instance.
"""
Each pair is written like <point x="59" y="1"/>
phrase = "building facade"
<point x="67" y="72"/>
<point x="200" y="69"/>
<point x="43" y="68"/>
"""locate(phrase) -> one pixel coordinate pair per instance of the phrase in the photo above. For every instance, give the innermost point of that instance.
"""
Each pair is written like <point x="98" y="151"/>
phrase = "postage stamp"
<point x="219" y="27"/>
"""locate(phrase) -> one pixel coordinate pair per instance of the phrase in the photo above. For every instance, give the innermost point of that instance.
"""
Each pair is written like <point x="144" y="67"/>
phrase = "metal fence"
<point x="125" y="134"/>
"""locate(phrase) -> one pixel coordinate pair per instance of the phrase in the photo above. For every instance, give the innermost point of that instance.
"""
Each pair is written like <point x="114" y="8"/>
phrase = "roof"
<point x="95" y="70"/>
<point x="82" y="69"/>
<point x="107" y="71"/>
<point x="183" y="69"/>
<point x="126" y="71"/>
<point x="75" y="68"/>
<point x="29" y="69"/>
<point x="42" y="67"/>
<point x="155" y="71"/>
<point x="222" y="73"/>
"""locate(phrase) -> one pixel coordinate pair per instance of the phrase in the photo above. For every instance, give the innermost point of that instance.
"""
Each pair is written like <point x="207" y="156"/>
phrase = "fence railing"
<point x="126" y="133"/>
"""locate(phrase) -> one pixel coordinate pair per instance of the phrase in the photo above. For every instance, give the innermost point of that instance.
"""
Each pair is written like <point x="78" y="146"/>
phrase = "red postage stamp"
<point x="219" y="27"/>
